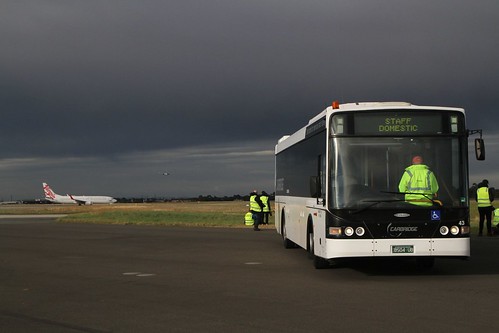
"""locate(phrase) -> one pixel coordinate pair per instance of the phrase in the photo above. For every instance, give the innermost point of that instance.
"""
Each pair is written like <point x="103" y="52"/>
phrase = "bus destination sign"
<point x="397" y="124"/>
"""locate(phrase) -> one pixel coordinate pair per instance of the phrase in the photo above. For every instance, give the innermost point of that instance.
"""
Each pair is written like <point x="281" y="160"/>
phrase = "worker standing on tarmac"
<point x="256" y="208"/>
<point x="484" y="198"/>
<point x="266" y="207"/>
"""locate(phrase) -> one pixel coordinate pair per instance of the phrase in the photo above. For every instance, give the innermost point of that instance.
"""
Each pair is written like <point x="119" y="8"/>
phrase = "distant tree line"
<point x="209" y="197"/>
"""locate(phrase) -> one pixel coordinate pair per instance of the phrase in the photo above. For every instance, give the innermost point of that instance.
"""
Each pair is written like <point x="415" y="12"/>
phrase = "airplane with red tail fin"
<point x="51" y="196"/>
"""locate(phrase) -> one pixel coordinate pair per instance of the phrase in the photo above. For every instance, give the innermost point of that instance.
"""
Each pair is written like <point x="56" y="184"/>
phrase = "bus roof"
<point x="389" y="105"/>
<point x="288" y="140"/>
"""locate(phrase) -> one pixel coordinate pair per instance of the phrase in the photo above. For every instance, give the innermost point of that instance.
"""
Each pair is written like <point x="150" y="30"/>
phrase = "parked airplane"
<point x="79" y="199"/>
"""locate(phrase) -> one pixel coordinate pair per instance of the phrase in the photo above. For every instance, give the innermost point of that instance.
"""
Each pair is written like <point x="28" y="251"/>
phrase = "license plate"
<point x="402" y="248"/>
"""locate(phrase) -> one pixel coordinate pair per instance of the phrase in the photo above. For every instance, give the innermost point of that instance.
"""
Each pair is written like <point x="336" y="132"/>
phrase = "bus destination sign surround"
<point x="396" y="124"/>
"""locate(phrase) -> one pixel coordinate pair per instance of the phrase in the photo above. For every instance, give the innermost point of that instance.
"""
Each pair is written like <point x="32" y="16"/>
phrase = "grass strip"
<point x="160" y="218"/>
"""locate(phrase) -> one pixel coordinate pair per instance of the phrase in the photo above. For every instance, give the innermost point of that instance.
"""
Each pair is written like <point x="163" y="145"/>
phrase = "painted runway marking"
<point x="140" y="274"/>
<point x="253" y="263"/>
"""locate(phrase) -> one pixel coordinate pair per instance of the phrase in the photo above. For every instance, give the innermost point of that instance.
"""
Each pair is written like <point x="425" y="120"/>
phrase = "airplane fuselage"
<point x="51" y="196"/>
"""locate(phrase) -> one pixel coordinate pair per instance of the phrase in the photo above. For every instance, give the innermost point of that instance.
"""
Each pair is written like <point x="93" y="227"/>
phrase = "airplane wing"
<point x="78" y="201"/>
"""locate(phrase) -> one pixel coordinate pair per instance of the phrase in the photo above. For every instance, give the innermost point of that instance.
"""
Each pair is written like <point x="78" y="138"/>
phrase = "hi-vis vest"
<point x="265" y="201"/>
<point x="418" y="179"/>
<point x="482" y="196"/>
<point x="248" y="219"/>
<point x="254" y="206"/>
<point x="496" y="215"/>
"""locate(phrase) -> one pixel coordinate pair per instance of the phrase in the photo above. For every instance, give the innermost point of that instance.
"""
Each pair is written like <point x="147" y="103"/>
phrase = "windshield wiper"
<point x="427" y="196"/>
<point x="374" y="203"/>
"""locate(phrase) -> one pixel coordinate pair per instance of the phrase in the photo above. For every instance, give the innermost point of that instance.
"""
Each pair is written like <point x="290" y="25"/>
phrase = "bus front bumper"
<point x="445" y="247"/>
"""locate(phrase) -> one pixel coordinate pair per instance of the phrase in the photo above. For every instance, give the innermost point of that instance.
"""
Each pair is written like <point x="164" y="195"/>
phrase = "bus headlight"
<point x="359" y="231"/>
<point x="454" y="230"/>
<point x="444" y="230"/>
<point x="348" y="231"/>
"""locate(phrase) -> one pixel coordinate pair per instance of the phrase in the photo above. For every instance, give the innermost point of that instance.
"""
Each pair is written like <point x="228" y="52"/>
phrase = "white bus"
<point x="337" y="183"/>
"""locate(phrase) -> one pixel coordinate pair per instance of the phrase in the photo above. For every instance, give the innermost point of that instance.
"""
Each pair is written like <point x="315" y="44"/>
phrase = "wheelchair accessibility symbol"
<point x="435" y="215"/>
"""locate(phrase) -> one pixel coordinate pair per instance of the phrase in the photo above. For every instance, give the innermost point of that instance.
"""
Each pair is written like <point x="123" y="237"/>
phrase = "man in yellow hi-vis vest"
<point x="256" y="207"/>
<point x="419" y="183"/>
<point x="495" y="230"/>
<point x="484" y="198"/>
<point x="266" y="207"/>
<point x="248" y="219"/>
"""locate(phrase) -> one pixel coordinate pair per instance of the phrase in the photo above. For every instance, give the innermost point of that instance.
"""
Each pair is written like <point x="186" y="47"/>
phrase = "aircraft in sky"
<point x="166" y="173"/>
<point x="78" y="199"/>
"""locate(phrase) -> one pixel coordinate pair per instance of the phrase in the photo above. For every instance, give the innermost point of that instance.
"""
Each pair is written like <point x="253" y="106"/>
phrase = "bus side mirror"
<point x="315" y="187"/>
<point x="480" y="149"/>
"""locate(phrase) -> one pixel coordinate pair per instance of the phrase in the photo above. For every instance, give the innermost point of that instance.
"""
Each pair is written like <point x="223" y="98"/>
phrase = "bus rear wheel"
<point x="286" y="242"/>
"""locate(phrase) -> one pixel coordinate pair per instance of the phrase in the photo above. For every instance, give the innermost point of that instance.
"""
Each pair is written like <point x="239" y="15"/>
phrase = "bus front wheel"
<point x="319" y="263"/>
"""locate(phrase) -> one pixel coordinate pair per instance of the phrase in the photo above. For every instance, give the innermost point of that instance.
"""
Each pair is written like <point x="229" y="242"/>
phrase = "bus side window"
<point x="315" y="187"/>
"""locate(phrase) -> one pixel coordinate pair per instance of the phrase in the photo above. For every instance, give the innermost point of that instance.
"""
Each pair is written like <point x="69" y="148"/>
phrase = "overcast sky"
<point x="103" y="96"/>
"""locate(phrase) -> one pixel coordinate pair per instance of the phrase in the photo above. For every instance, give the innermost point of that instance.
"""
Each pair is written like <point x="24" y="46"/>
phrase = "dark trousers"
<point x="257" y="218"/>
<point x="266" y="217"/>
<point x="485" y="214"/>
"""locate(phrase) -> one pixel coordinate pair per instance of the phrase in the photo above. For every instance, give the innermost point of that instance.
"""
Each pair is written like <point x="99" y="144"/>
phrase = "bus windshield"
<point x="365" y="172"/>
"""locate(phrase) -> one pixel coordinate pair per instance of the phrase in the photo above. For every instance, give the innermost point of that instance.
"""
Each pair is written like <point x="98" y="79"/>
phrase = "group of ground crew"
<point x="259" y="210"/>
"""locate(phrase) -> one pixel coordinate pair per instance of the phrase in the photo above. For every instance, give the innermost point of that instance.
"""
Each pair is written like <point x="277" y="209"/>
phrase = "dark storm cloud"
<point x="92" y="79"/>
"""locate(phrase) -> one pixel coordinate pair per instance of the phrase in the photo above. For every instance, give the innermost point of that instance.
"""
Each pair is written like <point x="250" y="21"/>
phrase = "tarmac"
<point x="58" y="277"/>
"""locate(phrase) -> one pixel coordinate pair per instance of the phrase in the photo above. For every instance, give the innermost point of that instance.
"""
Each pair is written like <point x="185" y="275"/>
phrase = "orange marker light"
<point x="336" y="105"/>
